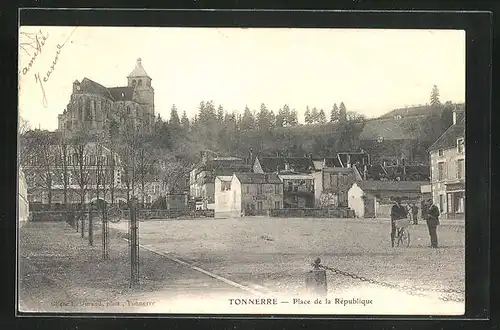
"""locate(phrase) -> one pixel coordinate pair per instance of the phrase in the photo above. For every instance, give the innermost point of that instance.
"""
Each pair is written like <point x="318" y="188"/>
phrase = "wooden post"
<point x="134" y="244"/>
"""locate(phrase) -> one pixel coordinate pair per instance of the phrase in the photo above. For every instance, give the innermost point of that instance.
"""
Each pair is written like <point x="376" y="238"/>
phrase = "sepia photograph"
<point x="183" y="170"/>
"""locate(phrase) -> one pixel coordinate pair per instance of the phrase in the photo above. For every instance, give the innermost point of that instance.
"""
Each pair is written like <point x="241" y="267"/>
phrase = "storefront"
<point x="455" y="200"/>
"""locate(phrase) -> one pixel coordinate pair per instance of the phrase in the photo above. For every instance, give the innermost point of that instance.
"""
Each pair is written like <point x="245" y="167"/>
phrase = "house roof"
<point x="449" y="137"/>
<point x="337" y="169"/>
<point x="138" y="70"/>
<point x="121" y="93"/>
<point x="391" y="185"/>
<point x="298" y="164"/>
<point x="332" y="162"/>
<point x="228" y="171"/>
<point x="293" y="176"/>
<point x="224" y="177"/>
<point x="318" y="164"/>
<point x="254" y="178"/>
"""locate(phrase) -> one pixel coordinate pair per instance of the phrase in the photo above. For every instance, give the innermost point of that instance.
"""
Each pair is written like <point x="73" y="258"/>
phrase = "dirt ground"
<point x="59" y="271"/>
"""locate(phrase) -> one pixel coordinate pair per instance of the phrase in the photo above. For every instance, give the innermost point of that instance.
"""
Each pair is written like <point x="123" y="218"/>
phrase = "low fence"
<point x="312" y="213"/>
<point x="144" y="214"/>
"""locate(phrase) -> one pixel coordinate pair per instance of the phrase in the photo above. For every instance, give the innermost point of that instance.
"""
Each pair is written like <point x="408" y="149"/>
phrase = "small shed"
<point x="374" y="199"/>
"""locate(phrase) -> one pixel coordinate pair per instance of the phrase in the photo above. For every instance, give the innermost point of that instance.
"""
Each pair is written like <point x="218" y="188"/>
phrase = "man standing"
<point x="398" y="212"/>
<point x="432" y="223"/>
<point x="414" y="212"/>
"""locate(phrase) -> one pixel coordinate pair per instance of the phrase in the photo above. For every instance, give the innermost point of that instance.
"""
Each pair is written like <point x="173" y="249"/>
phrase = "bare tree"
<point x="81" y="173"/>
<point x="41" y="157"/>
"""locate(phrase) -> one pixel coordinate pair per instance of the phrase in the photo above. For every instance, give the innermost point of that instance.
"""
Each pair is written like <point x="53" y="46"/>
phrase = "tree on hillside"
<point x="247" y="120"/>
<point x="435" y="102"/>
<point x="263" y="118"/>
<point x="447" y="115"/>
<point x="272" y="119"/>
<point x="334" y="115"/>
<point x="174" y="121"/>
<point x="280" y="120"/>
<point x="342" y="112"/>
<point x="285" y="114"/>
<point x="185" y="121"/>
<point x="354" y="116"/>
<point x="321" y="117"/>
<point x="307" y="116"/>
<point x="314" y="116"/>
<point x="293" y="119"/>
<point x="220" y="114"/>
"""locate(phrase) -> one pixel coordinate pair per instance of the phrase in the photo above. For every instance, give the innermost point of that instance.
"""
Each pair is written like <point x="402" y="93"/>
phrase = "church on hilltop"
<point x="93" y="108"/>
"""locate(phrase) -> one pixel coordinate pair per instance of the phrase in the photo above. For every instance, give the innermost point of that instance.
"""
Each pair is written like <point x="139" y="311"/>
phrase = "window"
<point x="290" y="186"/>
<point x="247" y="189"/>
<point x="277" y="205"/>
<point x="460" y="168"/>
<point x="460" y="146"/>
<point x="134" y="83"/>
<point x="441" y="170"/>
<point x="441" y="203"/>
<point x="259" y="189"/>
<point x="259" y="206"/>
<point x="440" y="153"/>
<point x="139" y="82"/>
<point x="277" y="189"/>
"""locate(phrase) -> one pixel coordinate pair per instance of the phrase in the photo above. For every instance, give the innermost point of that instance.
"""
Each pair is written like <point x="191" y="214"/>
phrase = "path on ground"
<point x="60" y="272"/>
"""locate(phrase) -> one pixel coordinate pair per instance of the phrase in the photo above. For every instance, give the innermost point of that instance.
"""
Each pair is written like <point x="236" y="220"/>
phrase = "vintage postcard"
<point x="241" y="171"/>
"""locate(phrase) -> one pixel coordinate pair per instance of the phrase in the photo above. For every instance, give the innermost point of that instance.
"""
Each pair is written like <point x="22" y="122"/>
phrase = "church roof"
<point x="92" y="87"/>
<point x="139" y="70"/>
<point x="122" y="93"/>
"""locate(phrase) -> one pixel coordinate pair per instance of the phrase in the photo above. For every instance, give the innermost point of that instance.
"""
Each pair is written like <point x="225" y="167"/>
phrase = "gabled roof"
<point x="338" y="169"/>
<point x="449" y="138"/>
<point x="225" y="178"/>
<point x="254" y="178"/>
<point x="332" y="162"/>
<point x="298" y="164"/>
<point x="121" y="93"/>
<point x="408" y="186"/>
<point x="92" y="87"/>
<point x="139" y="70"/>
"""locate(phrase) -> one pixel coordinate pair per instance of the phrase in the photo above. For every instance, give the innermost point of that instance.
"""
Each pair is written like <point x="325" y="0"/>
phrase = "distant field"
<point x="276" y="252"/>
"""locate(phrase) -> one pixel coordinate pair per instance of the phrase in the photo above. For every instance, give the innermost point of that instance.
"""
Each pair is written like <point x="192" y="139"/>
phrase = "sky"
<point x="371" y="71"/>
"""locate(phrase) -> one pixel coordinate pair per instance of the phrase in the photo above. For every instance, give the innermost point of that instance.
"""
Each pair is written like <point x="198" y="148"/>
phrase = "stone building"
<point x="374" y="199"/>
<point x="247" y="194"/>
<point x="447" y="156"/>
<point x="331" y="185"/>
<point x="93" y="108"/>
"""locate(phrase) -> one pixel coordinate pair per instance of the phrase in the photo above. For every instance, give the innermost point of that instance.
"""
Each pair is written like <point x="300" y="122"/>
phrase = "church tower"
<point x="143" y="92"/>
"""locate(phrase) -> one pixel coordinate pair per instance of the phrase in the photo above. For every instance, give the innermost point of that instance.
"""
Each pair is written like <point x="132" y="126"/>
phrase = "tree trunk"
<point x="82" y="200"/>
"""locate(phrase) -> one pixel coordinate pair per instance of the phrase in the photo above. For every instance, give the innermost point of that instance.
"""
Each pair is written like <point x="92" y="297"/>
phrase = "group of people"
<point x="430" y="213"/>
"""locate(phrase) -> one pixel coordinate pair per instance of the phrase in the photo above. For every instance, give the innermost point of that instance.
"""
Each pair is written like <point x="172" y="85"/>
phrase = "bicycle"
<point x="402" y="233"/>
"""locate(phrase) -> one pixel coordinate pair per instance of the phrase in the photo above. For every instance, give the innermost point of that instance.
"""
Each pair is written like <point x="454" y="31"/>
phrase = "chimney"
<point x="454" y="116"/>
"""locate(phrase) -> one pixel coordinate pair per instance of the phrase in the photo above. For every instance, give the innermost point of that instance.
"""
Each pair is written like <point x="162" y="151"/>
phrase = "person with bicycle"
<point x="398" y="212"/>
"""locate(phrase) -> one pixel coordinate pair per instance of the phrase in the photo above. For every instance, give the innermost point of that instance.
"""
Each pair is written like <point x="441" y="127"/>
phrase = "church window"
<point x="139" y="83"/>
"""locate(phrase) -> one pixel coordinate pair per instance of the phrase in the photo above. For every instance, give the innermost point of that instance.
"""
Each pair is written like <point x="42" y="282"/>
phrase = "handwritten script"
<point x="51" y="69"/>
<point x="34" y="43"/>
